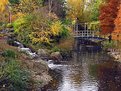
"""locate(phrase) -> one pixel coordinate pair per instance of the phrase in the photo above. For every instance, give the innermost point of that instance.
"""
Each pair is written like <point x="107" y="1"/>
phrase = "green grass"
<point x="13" y="76"/>
<point x="16" y="77"/>
<point x="9" y="54"/>
<point x="112" y="44"/>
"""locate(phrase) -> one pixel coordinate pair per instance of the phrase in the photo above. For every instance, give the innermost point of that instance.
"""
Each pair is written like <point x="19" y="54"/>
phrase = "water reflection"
<point x="86" y="72"/>
<point x="109" y="77"/>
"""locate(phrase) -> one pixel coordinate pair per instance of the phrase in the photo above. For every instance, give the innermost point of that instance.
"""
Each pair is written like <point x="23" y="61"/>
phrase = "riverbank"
<point x="115" y="53"/>
<point x="37" y="68"/>
<point x="113" y="49"/>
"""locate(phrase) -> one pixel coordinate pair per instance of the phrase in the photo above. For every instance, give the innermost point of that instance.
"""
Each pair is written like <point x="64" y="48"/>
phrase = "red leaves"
<point x="108" y="13"/>
<point x="118" y="21"/>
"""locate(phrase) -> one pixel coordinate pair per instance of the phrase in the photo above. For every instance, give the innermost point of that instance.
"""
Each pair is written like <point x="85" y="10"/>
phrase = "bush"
<point x="4" y="25"/>
<point x="14" y="1"/>
<point x="64" y="33"/>
<point x="59" y="29"/>
<point x="9" y="25"/>
<point x="112" y="44"/>
<point x="1" y="28"/>
<point x="55" y="49"/>
<point x="1" y="35"/>
<point x="10" y="42"/>
<point x="15" y="78"/>
<point x="9" y="54"/>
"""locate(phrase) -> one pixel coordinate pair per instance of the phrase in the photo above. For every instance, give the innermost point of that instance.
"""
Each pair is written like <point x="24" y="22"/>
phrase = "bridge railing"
<point x="83" y="33"/>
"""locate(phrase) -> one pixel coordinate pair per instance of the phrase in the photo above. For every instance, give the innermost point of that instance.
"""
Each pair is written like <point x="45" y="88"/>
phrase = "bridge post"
<point x="76" y="44"/>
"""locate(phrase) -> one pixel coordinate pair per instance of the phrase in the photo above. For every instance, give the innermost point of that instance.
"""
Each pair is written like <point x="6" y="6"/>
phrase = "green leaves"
<point x="94" y="8"/>
<point x="9" y="54"/>
<point x="14" y="1"/>
<point x="16" y="75"/>
<point x="75" y="9"/>
<point x="17" y="78"/>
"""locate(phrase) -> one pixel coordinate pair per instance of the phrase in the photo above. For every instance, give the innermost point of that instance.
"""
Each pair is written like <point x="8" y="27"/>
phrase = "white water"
<point x="28" y="51"/>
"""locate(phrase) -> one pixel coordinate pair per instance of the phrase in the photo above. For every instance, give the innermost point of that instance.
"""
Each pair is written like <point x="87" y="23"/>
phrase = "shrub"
<point x="1" y="35"/>
<point x="59" y="29"/>
<point x="55" y="49"/>
<point x="15" y="78"/>
<point x="64" y="33"/>
<point x="14" y="1"/>
<point x="10" y="42"/>
<point x="1" y="28"/>
<point x="9" y="25"/>
<point x="56" y="27"/>
<point x="4" y="25"/>
<point x="112" y="44"/>
<point x="9" y="54"/>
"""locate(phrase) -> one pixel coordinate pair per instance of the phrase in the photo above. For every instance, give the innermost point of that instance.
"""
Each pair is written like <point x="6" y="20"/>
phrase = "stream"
<point x="85" y="72"/>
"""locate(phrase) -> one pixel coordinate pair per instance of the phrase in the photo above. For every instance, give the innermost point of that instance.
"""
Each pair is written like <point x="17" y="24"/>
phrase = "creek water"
<point x="86" y="72"/>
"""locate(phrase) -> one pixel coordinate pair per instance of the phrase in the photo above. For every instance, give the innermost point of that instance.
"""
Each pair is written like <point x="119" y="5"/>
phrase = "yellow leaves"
<point x="3" y="4"/>
<point x="43" y="36"/>
<point x="40" y="40"/>
<point x="19" y="23"/>
<point x="29" y="6"/>
<point x="69" y="29"/>
<point x="75" y="8"/>
<point x="52" y="15"/>
<point x="16" y="16"/>
<point x="56" y="27"/>
<point x="40" y="37"/>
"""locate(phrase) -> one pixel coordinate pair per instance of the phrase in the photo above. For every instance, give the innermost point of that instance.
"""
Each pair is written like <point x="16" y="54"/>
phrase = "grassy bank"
<point x="17" y="72"/>
<point x="113" y="44"/>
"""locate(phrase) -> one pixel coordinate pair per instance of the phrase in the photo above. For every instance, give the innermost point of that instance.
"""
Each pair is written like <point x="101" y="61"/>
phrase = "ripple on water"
<point x="87" y="73"/>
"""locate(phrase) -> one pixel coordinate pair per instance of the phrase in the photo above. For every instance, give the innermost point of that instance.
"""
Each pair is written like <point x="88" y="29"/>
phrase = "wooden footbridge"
<point x="86" y="39"/>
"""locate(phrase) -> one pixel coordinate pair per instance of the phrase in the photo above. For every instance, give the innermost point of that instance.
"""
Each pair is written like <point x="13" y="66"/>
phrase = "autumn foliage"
<point x="117" y="31"/>
<point x="118" y="21"/>
<point x="75" y="9"/>
<point x="3" y="4"/>
<point x="108" y="13"/>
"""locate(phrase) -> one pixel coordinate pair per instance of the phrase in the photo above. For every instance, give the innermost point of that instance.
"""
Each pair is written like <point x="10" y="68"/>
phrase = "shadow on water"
<point x="86" y="72"/>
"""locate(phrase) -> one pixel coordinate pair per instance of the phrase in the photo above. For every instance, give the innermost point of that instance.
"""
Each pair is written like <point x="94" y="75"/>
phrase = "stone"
<point x="38" y="66"/>
<point x="43" y="53"/>
<point x="56" y="56"/>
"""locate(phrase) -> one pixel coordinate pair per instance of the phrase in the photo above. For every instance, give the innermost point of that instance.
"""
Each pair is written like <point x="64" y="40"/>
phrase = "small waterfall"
<point x="53" y="66"/>
<point x="19" y="44"/>
<point x="28" y="51"/>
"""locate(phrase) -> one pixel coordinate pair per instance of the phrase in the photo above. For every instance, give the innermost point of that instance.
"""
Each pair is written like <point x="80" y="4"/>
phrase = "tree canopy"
<point x="108" y="13"/>
<point x="3" y="4"/>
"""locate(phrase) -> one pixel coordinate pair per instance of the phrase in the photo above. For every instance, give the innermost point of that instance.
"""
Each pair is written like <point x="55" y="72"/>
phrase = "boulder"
<point x="43" y="53"/>
<point x="39" y="72"/>
<point x="38" y="66"/>
<point x="56" y="56"/>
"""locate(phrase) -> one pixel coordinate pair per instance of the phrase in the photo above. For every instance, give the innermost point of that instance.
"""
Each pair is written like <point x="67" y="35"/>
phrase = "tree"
<point x="118" y="20"/>
<point x="34" y="25"/>
<point x="108" y="13"/>
<point x="117" y="31"/>
<point x="28" y="6"/>
<point x="93" y="9"/>
<point x="75" y="9"/>
<point x="3" y="4"/>
<point x="5" y="11"/>
<point x="14" y="1"/>
<point x="59" y="8"/>
<point x="56" y="6"/>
